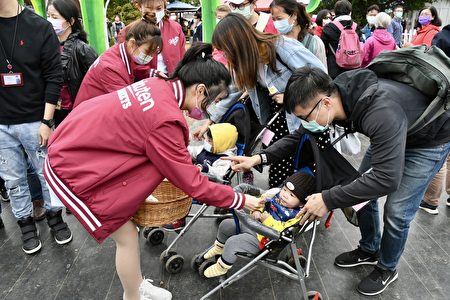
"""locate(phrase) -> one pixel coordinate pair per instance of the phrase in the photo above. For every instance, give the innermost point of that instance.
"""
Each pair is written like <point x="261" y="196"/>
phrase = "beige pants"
<point x="434" y="190"/>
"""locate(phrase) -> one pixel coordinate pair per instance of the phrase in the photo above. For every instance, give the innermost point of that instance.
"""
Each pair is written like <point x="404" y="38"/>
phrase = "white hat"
<point x="236" y="1"/>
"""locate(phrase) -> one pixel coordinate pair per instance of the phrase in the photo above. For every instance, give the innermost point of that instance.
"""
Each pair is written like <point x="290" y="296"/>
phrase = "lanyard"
<point x="8" y="61"/>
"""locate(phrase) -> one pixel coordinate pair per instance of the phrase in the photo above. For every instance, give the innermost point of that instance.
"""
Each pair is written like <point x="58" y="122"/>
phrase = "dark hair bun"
<point x="149" y="18"/>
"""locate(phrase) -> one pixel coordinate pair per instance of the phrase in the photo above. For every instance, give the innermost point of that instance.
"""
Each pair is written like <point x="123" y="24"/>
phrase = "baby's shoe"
<point x="218" y="269"/>
<point x="149" y="291"/>
<point x="217" y="249"/>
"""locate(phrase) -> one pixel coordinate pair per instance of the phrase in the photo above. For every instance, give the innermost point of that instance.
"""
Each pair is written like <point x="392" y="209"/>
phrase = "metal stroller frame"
<point x="278" y="242"/>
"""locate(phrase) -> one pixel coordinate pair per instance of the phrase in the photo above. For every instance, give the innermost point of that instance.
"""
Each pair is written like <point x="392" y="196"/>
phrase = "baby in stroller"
<point x="220" y="140"/>
<point x="279" y="213"/>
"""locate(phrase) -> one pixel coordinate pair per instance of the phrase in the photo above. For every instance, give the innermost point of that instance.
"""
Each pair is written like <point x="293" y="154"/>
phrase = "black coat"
<point x="330" y="36"/>
<point x="381" y="109"/>
<point x="76" y="59"/>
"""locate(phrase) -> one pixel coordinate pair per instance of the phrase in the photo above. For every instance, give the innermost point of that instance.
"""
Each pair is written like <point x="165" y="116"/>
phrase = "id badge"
<point x="272" y="90"/>
<point x="11" y="79"/>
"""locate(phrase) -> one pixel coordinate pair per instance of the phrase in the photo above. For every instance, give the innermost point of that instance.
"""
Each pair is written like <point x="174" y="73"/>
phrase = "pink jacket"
<point x="112" y="151"/>
<point x="381" y="40"/>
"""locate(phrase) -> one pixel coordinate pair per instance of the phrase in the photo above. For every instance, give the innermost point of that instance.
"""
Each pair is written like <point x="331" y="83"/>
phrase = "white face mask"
<point x="217" y="21"/>
<point x="325" y="21"/>
<point x="246" y="12"/>
<point x="58" y="26"/>
<point x="142" y="58"/>
<point x="371" y="20"/>
<point x="399" y="14"/>
<point x="174" y="18"/>
<point x="160" y="15"/>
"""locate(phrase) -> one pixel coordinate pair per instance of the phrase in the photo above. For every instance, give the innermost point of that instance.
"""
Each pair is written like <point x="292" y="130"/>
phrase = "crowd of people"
<point x="96" y="134"/>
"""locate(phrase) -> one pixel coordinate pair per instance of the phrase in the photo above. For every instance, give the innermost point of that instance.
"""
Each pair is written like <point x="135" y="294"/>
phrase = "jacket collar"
<point x="179" y="91"/>
<point x="124" y="56"/>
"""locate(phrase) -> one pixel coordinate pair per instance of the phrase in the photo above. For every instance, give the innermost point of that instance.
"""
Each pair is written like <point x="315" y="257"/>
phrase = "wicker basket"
<point x="172" y="204"/>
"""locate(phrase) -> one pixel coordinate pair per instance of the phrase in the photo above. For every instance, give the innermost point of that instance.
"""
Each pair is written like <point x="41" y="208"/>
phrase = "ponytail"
<point x="198" y="66"/>
<point x="145" y="31"/>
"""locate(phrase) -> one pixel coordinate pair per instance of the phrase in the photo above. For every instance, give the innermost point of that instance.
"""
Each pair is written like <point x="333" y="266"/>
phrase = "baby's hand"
<point x="257" y="215"/>
<point x="264" y="216"/>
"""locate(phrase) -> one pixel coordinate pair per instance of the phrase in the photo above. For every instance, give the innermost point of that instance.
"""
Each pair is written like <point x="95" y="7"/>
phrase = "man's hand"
<point x="200" y="131"/>
<point x="278" y="98"/>
<point x="314" y="208"/>
<point x="253" y="203"/>
<point x="44" y="134"/>
<point x="243" y="163"/>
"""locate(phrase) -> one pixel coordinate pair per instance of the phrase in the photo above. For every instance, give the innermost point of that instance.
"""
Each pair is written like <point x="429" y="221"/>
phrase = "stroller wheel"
<point x="146" y="231"/>
<point x="205" y="265"/>
<point x="314" y="295"/>
<point x="164" y="257"/>
<point x="175" y="264"/>
<point x="196" y="261"/>
<point x="155" y="236"/>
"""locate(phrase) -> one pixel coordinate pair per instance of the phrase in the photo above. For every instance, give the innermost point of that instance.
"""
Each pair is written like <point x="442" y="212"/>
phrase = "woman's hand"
<point x="278" y="98"/>
<point x="253" y="203"/>
<point x="243" y="163"/>
<point x="200" y="131"/>
<point x="264" y="216"/>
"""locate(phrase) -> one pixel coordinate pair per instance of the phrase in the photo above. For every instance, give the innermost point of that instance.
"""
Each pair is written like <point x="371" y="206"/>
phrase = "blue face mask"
<point x="313" y="126"/>
<point x="246" y="12"/>
<point x="283" y="26"/>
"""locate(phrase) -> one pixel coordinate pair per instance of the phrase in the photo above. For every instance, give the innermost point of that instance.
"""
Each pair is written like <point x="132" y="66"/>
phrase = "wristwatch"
<point x="50" y="123"/>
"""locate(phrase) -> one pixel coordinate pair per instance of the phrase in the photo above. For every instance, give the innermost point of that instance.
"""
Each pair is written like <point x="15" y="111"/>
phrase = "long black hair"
<point x="320" y="16"/>
<point x="198" y="66"/>
<point x="70" y="11"/>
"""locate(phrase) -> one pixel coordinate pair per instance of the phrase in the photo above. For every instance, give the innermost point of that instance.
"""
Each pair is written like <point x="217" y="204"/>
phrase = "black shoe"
<point x="448" y="202"/>
<point x="431" y="209"/>
<point x="355" y="258"/>
<point x="30" y="236"/>
<point x="1" y="223"/>
<point x="377" y="281"/>
<point x="59" y="228"/>
<point x="4" y="194"/>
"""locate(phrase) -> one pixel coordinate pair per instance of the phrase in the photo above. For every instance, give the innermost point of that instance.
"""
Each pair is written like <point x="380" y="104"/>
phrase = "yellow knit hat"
<point x="224" y="137"/>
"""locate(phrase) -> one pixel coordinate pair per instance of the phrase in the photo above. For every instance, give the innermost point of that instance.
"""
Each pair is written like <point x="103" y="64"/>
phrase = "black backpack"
<point x="427" y="69"/>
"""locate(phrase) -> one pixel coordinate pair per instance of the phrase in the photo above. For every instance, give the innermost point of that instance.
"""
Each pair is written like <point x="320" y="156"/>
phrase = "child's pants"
<point x="246" y="241"/>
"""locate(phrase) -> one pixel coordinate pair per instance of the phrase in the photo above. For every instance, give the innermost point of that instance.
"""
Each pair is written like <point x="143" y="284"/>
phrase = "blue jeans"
<point x="16" y="140"/>
<point x="401" y="206"/>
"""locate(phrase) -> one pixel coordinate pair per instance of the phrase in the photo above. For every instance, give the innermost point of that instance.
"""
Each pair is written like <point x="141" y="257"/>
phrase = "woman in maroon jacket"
<point x="119" y="65"/>
<point x="112" y="151"/>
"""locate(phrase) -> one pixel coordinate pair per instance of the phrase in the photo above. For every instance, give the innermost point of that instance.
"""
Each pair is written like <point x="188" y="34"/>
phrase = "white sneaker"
<point x="148" y="291"/>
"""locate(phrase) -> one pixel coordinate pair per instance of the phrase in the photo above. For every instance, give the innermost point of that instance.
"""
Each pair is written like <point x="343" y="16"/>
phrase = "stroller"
<point x="329" y="168"/>
<point x="237" y="115"/>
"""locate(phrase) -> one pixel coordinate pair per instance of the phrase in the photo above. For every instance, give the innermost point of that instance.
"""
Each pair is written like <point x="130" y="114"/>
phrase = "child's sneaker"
<point x="148" y="291"/>
<point x="217" y="249"/>
<point x="175" y="226"/>
<point x="218" y="269"/>
<point x="448" y="202"/>
<point x="431" y="209"/>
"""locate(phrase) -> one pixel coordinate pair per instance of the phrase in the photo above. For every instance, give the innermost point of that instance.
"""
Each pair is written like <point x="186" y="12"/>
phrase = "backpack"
<point x="427" y="69"/>
<point x="349" y="53"/>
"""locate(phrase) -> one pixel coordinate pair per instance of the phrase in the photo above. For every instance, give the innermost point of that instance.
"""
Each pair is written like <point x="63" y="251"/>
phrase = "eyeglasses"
<point x="238" y="6"/>
<point x="315" y="106"/>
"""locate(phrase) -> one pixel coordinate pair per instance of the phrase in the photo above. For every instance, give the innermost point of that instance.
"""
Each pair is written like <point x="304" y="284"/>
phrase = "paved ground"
<point x="85" y="270"/>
